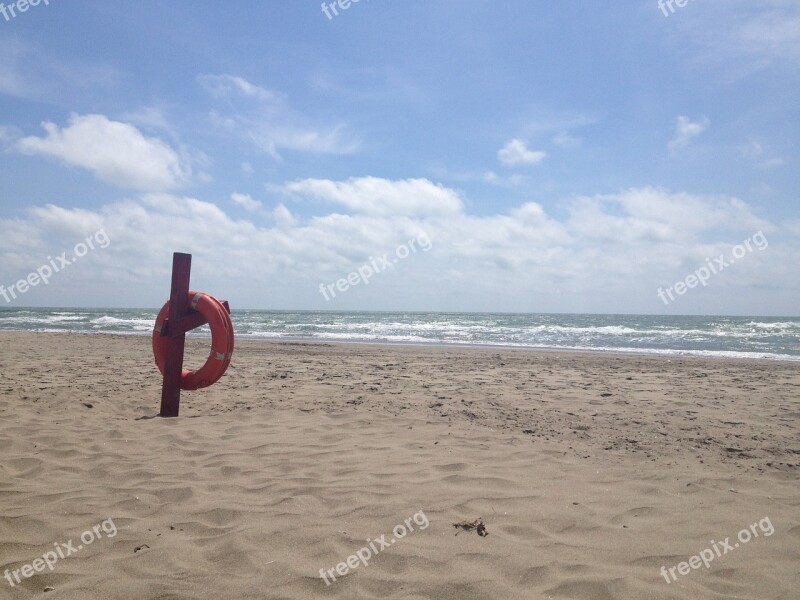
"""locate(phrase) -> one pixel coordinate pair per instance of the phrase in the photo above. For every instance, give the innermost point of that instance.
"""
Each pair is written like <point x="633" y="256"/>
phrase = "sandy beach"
<point x="591" y="472"/>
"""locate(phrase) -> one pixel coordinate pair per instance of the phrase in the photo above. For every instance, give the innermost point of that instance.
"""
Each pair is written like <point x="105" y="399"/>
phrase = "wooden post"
<point x="176" y="339"/>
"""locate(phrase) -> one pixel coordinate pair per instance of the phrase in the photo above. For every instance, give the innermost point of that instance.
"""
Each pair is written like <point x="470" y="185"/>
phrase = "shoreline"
<point x="669" y="354"/>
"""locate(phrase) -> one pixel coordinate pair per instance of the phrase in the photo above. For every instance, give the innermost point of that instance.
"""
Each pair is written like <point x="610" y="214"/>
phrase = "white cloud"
<point x="511" y="180"/>
<point x="222" y="86"/>
<point x="150" y="116"/>
<point x="516" y="153"/>
<point x="33" y="71"/>
<point x="772" y="163"/>
<point x="514" y="180"/>
<point x="755" y="151"/>
<point x="246" y="201"/>
<point x="115" y="152"/>
<point x="751" y="37"/>
<point x="265" y="119"/>
<point x="8" y="136"/>
<point x="564" y="140"/>
<point x="542" y="120"/>
<point x="686" y="130"/>
<point x="762" y="33"/>
<point x="650" y="216"/>
<point x="774" y="33"/>
<point x="607" y="253"/>
<point x="283" y="216"/>
<point x="375" y="196"/>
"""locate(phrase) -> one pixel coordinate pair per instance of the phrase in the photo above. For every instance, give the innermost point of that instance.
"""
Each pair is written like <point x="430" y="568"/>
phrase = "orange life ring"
<point x="221" y="341"/>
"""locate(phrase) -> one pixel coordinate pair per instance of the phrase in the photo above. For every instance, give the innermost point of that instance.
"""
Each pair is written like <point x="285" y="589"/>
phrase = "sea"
<point x="775" y="338"/>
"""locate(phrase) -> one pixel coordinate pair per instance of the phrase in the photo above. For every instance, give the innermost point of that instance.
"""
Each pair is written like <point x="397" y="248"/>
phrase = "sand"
<point x="590" y="473"/>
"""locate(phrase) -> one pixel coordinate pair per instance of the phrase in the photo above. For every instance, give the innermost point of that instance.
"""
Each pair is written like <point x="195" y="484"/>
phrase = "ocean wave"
<point x="745" y="337"/>
<point x="116" y="321"/>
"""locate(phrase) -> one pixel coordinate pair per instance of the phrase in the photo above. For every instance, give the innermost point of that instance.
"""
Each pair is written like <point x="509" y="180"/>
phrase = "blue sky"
<point x="560" y="156"/>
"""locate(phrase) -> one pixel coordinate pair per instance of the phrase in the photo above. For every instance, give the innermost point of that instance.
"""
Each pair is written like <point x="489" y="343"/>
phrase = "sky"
<point x="616" y="156"/>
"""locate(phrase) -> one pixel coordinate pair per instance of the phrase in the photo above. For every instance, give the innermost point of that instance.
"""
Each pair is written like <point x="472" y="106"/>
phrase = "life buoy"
<point x="221" y="341"/>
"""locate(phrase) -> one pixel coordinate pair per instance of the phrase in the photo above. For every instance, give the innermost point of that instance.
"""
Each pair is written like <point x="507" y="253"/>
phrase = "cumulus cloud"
<point x="151" y="117"/>
<point x="605" y="252"/>
<point x="376" y="196"/>
<point x="246" y="201"/>
<point x="651" y="216"/>
<point x="283" y="216"/>
<point x="516" y="153"/>
<point x="117" y="153"/>
<point x="686" y="130"/>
